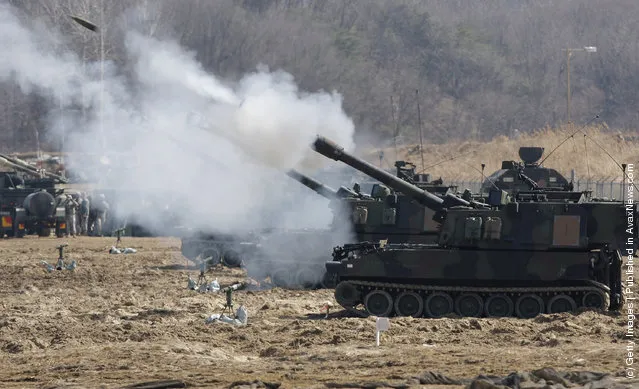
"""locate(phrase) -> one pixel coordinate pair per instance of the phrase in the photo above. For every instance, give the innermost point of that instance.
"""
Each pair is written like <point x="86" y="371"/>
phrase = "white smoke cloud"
<point x="265" y="114"/>
<point x="212" y="151"/>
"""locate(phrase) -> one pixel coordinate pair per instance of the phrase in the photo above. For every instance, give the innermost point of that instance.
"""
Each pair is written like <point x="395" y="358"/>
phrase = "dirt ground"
<point x="117" y="320"/>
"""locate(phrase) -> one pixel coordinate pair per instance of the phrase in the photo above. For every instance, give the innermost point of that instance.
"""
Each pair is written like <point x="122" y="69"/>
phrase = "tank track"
<point x="545" y="293"/>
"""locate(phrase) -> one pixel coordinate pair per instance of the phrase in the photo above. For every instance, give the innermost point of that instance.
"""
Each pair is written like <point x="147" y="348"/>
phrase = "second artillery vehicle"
<point x="290" y="258"/>
<point x="380" y="215"/>
<point x="509" y="256"/>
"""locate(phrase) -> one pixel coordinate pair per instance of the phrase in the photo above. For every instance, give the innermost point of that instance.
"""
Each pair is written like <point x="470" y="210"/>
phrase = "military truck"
<point x="28" y="201"/>
<point x="510" y="256"/>
<point x="12" y="194"/>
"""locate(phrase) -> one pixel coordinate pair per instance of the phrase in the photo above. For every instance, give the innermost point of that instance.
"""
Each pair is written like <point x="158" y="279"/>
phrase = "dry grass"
<point x="579" y="152"/>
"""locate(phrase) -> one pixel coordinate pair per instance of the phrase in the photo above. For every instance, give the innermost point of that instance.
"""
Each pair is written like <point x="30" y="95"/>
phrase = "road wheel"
<point x="469" y="305"/>
<point x="347" y="295"/>
<point x="561" y="303"/>
<point x="594" y="300"/>
<point x="409" y="304"/>
<point x="281" y="278"/>
<point x="211" y="256"/>
<point x="499" y="305"/>
<point x="378" y="303"/>
<point x="232" y="258"/>
<point x="439" y="304"/>
<point x="529" y="306"/>
<point x="307" y="278"/>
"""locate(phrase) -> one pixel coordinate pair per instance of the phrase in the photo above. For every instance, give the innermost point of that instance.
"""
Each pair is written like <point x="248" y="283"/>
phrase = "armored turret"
<point x="504" y="258"/>
<point x="528" y="174"/>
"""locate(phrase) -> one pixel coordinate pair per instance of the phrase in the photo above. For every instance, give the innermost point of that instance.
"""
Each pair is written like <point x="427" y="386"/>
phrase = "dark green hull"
<point x="428" y="281"/>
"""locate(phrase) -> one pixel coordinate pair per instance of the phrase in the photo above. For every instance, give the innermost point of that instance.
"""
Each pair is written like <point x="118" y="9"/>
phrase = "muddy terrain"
<point x="118" y="320"/>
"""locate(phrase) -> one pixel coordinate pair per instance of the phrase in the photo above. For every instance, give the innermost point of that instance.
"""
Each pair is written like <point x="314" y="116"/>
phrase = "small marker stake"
<point x="382" y="324"/>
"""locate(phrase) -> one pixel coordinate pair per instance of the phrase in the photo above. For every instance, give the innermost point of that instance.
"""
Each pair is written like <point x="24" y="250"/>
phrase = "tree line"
<point x="476" y="69"/>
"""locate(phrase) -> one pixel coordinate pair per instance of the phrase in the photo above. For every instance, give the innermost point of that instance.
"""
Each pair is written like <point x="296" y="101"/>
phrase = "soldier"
<point x="91" y="229"/>
<point x="84" y="214"/>
<point x="60" y="200"/>
<point x="101" y="208"/>
<point x="70" y="207"/>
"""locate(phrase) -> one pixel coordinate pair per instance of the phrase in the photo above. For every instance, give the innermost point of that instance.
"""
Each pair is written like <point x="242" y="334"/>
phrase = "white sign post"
<point x="382" y="325"/>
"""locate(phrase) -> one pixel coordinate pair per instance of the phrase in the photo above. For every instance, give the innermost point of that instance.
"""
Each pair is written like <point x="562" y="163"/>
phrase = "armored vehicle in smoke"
<point x="285" y="256"/>
<point x="28" y="204"/>
<point x="397" y="218"/>
<point x="378" y="215"/>
<point x="511" y="256"/>
<point x="214" y="248"/>
<point x="507" y="178"/>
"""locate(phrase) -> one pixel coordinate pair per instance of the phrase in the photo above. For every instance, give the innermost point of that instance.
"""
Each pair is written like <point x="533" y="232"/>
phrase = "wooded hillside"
<point x="482" y="67"/>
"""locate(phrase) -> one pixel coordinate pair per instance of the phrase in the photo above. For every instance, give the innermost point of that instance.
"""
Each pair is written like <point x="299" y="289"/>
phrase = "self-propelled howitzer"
<point x="290" y="258"/>
<point x="381" y="214"/>
<point x="295" y="258"/>
<point x="504" y="258"/>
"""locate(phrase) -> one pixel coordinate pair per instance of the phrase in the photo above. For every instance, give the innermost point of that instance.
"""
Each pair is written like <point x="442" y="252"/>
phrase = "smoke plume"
<point x="178" y="144"/>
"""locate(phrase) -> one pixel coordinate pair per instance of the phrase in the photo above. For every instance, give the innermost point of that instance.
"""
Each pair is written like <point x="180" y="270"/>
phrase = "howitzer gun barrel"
<point x="332" y="150"/>
<point x="313" y="184"/>
<point x="6" y="160"/>
<point x="26" y="168"/>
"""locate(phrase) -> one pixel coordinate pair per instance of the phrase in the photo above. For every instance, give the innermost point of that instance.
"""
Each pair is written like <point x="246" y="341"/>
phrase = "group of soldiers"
<point x="84" y="215"/>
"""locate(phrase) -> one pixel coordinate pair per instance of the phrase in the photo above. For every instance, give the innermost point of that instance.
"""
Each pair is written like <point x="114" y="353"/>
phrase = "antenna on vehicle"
<point x="421" y="135"/>
<point x="587" y="163"/>
<point x="613" y="159"/>
<point x="580" y="129"/>
<point x="623" y="181"/>
<point x="568" y="137"/>
<point x="488" y="178"/>
<point x="396" y="123"/>
<point x="446" y="160"/>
